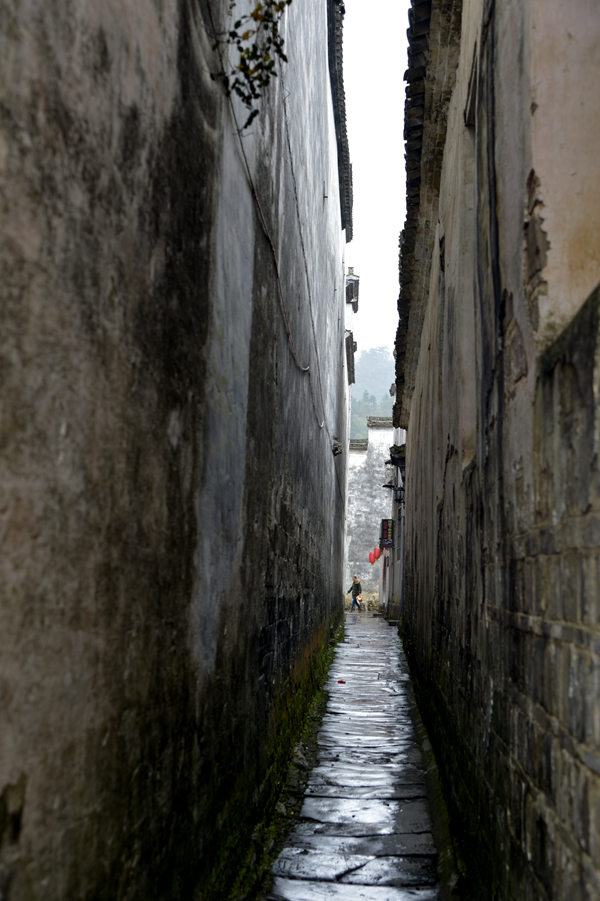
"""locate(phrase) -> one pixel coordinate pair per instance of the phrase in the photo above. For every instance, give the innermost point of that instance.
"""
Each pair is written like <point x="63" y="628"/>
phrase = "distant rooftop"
<point x="335" y="15"/>
<point x="359" y="444"/>
<point x="380" y="422"/>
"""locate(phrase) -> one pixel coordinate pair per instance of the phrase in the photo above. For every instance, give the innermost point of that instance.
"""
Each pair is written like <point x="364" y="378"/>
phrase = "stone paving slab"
<point x="359" y="744"/>
<point x="304" y="890"/>
<point x="355" y="868"/>
<point x="406" y="843"/>
<point x="354" y="773"/>
<point x="323" y="789"/>
<point x="364" y="832"/>
<point x="358" y="715"/>
<point x="380" y="757"/>
<point x="356" y="816"/>
<point x="356" y="728"/>
<point x="378" y="731"/>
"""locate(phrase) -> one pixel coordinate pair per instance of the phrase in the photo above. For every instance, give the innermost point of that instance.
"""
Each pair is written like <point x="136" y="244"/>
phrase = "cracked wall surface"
<point x="497" y="361"/>
<point x="171" y="511"/>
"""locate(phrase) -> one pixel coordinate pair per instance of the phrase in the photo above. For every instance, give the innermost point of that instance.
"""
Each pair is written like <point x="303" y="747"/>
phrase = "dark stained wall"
<point x="171" y="508"/>
<point x="497" y="350"/>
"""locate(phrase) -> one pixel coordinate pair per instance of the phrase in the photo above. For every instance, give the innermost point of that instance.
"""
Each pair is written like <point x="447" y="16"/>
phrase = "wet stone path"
<point x="364" y="832"/>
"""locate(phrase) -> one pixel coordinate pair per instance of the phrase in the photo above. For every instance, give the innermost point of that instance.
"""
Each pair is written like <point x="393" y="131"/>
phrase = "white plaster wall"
<point x="368" y="504"/>
<point x="565" y="135"/>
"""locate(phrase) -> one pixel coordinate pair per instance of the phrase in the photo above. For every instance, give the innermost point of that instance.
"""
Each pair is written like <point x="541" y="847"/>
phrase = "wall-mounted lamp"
<point x="352" y="283"/>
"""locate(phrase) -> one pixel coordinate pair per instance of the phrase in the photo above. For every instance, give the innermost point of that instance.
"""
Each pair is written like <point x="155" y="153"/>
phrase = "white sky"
<point x="374" y="63"/>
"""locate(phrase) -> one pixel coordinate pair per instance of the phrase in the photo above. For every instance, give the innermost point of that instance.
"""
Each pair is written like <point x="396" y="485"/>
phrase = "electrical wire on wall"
<point x="302" y="367"/>
<point x="302" y="245"/>
<point x="306" y="271"/>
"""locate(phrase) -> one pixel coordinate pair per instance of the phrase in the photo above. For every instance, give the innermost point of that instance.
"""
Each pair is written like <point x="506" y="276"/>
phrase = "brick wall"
<point x="498" y="357"/>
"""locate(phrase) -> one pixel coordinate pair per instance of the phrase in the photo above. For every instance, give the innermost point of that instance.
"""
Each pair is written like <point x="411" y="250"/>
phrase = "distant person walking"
<point x="356" y="594"/>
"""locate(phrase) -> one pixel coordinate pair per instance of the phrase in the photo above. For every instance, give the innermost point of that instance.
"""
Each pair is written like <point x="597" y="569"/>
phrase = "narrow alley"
<point x="184" y="499"/>
<point x="364" y="832"/>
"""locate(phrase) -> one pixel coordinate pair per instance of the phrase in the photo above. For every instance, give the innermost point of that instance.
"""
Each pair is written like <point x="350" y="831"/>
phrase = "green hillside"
<point x="375" y="372"/>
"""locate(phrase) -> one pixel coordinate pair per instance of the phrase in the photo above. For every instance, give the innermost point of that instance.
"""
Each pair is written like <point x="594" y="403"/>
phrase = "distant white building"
<point x="368" y="502"/>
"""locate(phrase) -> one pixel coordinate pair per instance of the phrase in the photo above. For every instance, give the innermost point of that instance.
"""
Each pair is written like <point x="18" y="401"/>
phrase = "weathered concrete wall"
<point x="498" y="357"/>
<point x="368" y="503"/>
<point x="172" y="551"/>
<point x="392" y="588"/>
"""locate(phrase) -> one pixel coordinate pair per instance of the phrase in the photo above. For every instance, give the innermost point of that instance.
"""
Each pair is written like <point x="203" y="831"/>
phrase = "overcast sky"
<point x="374" y="64"/>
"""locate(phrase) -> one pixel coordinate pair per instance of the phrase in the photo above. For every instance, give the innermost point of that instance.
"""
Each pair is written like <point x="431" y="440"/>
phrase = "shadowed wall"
<point x="171" y="508"/>
<point x="497" y="361"/>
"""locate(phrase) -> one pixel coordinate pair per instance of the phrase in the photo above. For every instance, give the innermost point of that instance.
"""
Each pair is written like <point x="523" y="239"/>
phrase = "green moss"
<point x="465" y="795"/>
<point x="253" y="833"/>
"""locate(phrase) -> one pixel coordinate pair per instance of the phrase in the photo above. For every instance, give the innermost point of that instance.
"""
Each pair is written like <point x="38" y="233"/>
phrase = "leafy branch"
<point x="258" y="44"/>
